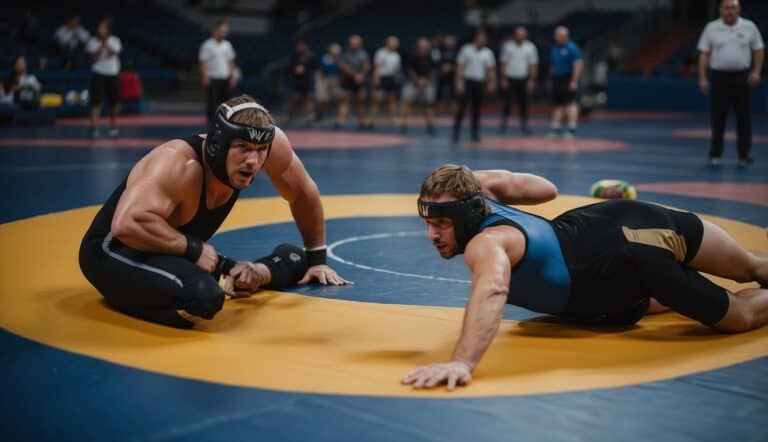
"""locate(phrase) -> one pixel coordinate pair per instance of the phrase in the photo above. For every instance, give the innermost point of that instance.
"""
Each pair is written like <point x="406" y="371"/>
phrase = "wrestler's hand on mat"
<point x="244" y="279"/>
<point x="208" y="259"/>
<point x="324" y="275"/>
<point x="451" y="373"/>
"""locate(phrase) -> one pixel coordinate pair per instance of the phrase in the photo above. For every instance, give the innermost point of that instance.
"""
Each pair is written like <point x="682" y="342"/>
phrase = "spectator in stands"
<point x="475" y="74"/>
<point x="21" y="88"/>
<point x="28" y="31"/>
<point x="566" y="66"/>
<point x="303" y="69"/>
<point x="328" y="86"/>
<point x="728" y="46"/>
<point x="104" y="49"/>
<point x="446" y="93"/>
<point x="519" y="69"/>
<point x="436" y="48"/>
<point x="615" y="56"/>
<point x="420" y="87"/>
<point x="217" y="68"/>
<point x="355" y="65"/>
<point x="386" y="69"/>
<point x="70" y="38"/>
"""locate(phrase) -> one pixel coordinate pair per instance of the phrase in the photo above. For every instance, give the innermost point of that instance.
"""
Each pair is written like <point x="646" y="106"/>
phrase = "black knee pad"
<point x="287" y="264"/>
<point x="205" y="298"/>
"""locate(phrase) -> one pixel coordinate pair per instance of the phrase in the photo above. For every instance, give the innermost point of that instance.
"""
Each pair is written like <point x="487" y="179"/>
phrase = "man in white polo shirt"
<point x="104" y="49"/>
<point x="728" y="46"/>
<point x="217" y="67"/>
<point x="519" y="68"/>
<point x="475" y="73"/>
<point x="386" y="68"/>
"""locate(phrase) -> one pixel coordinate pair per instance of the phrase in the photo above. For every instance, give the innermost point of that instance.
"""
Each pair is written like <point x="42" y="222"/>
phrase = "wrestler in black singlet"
<point x="154" y="286"/>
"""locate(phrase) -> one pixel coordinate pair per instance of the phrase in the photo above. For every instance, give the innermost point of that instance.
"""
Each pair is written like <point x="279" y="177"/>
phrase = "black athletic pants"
<point x="218" y="92"/>
<point x="473" y="93"/>
<point x="517" y="89"/>
<point x="730" y="89"/>
<point x="146" y="286"/>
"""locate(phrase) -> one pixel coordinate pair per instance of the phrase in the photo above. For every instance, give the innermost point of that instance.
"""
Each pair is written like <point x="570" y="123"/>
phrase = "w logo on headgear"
<point x="258" y="135"/>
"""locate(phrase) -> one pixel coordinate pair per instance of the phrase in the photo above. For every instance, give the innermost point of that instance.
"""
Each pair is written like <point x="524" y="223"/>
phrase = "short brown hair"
<point x="248" y="117"/>
<point x="457" y="180"/>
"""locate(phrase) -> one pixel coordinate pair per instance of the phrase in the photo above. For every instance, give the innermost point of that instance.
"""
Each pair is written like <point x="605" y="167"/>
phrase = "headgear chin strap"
<point x="223" y="131"/>
<point x="467" y="214"/>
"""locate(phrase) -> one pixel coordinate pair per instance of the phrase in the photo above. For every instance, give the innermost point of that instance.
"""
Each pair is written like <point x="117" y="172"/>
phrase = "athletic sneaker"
<point x="745" y="161"/>
<point x="554" y="133"/>
<point x="94" y="133"/>
<point x="714" y="161"/>
<point x="113" y="132"/>
<point x="568" y="135"/>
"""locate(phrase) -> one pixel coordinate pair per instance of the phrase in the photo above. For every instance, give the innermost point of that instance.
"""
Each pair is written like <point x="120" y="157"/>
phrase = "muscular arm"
<point x="459" y="76"/>
<point x="344" y="67"/>
<point x="757" y="61"/>
<point x="289" y="177"/>
<point x="516" y="188"/>
<point x="491" y="73"/>
<point x="534" y="74"/>
<point x="491" y="269"/>
<point x="203" y="74"/>
<point x="703" y="64"/>
<point x="110" y="50"/>
<point x="154" y="190"/>
<point x="578" y="67"/>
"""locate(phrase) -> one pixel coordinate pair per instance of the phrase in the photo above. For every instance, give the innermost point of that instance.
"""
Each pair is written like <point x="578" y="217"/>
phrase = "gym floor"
<point x="324" y="363"/>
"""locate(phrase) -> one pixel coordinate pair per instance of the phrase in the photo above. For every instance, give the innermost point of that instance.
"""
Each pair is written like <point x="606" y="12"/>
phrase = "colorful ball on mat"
<point x="613" y="189"/>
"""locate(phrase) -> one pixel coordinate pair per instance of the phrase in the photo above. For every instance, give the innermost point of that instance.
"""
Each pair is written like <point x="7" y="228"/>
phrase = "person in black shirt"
<point x="303" y="69"/>
<point x="446" y="93"/>
<point x="420" y="87"/>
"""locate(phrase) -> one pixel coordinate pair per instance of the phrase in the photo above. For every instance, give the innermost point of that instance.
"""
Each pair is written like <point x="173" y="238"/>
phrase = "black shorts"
<point x="348" y="84"/>
<point x="103" y="84"/>
<point x="561" y="92"/>
<point x="387" y="84"/>
<point x="302" y="86"/>
<point x="620" y="253"/>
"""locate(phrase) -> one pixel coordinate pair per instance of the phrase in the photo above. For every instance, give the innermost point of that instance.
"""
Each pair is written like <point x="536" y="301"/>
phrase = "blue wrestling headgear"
<point x="223" y="131"/>
<point x="467" y="214"/>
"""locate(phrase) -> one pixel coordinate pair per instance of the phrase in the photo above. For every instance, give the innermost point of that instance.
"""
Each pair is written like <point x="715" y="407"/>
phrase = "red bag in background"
<point x="130" y="86"/>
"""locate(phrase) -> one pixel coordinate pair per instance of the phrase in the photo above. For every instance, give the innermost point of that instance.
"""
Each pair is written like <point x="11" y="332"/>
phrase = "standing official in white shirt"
<point x="728" y="46"/>
<point x="519" y="69"/>
<point x="475" y="73"/>
<point x="386" y="68"/>
<point x="217" y="67"/>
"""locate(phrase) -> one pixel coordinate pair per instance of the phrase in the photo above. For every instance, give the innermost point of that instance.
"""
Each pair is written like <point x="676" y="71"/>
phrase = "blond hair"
<point x="456" y="180"/>
<point x="248" y="117"/>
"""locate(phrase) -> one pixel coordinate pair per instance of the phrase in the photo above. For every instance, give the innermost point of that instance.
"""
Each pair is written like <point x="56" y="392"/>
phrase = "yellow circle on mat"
<point x="291" y="342"/>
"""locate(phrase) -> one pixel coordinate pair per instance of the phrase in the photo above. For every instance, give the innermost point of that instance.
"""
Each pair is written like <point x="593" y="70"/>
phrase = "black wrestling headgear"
<point x="467" y="214"/>
<point x="223" y="131"/>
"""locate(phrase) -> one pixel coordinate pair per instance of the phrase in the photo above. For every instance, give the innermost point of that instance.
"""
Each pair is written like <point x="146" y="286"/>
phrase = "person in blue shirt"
<point x="328" y="85"/>
<point x="608" y="263"/>
<point x="566" y="66"/>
